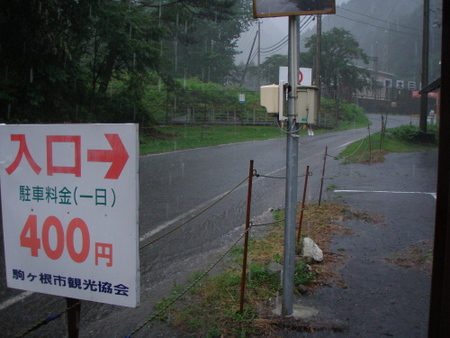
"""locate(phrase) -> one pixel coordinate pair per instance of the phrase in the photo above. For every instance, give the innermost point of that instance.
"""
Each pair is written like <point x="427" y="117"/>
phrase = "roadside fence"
<point x="249" y="225"/>
<point x="243" y="115"/>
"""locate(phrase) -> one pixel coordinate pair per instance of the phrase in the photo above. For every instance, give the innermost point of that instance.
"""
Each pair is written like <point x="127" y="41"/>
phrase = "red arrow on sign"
<point x="118" y="156"/>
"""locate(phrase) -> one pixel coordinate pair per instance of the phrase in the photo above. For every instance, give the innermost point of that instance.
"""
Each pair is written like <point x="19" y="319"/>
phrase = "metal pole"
<point x="259" y="53"/>
<point x="425" y="48"/>
<point x="318" y="63"/>
<point x="300" y="221"/>
<point x="247" y="227"/>
<point x="438" y="324"/>
<point x="287" y="305"/>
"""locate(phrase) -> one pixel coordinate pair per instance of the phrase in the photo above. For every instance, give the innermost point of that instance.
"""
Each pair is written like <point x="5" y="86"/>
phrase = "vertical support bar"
<point x="259" y="53"/>
<point x="247" y="228"/>
<point x="425" y="49"/>
<point x="323" y="174"/>
<point x="73" y="317"/>
<point x="438" y="324"/>
<point x="300" y="221"/>
<point x="287" y="305"/>
<point x="318" y="64"/>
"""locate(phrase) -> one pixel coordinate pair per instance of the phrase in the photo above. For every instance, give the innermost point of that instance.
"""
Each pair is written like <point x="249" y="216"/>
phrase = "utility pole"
<point x="259" y="53"/>
<point x="425" y="49"/>
<point x="287" y="308"/>
<point x="318" y="61"/>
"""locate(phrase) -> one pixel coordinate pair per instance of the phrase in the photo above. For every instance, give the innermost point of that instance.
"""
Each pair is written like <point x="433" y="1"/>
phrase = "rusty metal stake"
<point x="323" y="174"/>
<point x="247" y="228"/>
<point x="303" y="205"/>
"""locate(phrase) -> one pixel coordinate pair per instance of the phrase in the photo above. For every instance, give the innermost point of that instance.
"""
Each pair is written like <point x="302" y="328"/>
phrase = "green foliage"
<point x="163" y="307"/>
<point x="399" y="139"/>
<point x="212" y="308"/>
<point x="340" y="52"/>
<point x="270" y="67"/>
<point x="302" y="274"/>
<point x="261" y="275"/>
<point x="412" y="134"/>
<point x="407" y="133"/>
<point x="169" y="138"/>
<point x="347" y="114"/>
<point x="208" y="38"/>
<point x="91" y="60"/>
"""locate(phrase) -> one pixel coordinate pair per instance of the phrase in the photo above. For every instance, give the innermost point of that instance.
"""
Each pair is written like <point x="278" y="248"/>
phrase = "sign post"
<point x="287" y="302"/>
<point x="70" y="210"/>
<point x="291" y="8"/>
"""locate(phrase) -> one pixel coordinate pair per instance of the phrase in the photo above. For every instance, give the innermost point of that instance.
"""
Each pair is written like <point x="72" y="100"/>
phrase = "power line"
<point x="379" y="27"/>
<point x="282" y="42"/>
<point x="381" y="20"/>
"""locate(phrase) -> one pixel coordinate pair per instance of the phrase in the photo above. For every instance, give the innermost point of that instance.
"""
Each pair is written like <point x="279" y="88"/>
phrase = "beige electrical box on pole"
<point x="306" y="107"/>
<point x="270" y="99"/>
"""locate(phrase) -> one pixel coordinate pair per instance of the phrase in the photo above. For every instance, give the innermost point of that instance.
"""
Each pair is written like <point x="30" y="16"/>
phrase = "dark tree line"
<point x="91" y="60"/>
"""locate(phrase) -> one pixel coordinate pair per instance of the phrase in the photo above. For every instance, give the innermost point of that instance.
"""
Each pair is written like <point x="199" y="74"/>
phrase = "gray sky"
<point x="272" y="31"/>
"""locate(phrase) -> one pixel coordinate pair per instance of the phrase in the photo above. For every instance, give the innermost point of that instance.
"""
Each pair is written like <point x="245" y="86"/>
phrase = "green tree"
<point x="39" y="58"/>
<point x="271" y="65"/>
<point x="202" y="37"/>
<point x="339" y="71"/>
<point x="90" y="60"/>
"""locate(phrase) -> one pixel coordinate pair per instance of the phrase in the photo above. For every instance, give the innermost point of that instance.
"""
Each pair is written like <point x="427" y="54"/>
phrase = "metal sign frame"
<point x="274" y="8"/>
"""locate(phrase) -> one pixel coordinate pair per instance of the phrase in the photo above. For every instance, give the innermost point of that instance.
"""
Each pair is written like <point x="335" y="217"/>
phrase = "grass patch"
<point x="416" y="256"/>
<point x="211" y="309"/>
<point x="159" y="139"/>
<point x="178" y="137"/>
<point x="373" y="148"/>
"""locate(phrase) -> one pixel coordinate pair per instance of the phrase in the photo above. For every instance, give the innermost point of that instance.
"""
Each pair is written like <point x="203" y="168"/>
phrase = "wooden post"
<point x="73" y="317"/>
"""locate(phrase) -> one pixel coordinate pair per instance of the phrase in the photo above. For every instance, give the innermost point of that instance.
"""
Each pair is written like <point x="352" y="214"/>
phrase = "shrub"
<point x="407" y="133"/>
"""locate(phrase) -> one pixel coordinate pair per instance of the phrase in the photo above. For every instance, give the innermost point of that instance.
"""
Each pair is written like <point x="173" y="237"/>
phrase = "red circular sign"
<point x="300" y="77"/>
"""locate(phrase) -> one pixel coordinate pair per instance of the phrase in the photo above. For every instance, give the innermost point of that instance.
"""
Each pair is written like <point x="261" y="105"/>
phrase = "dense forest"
<point x="92" y="60"/>
<point x="128" y="60"/>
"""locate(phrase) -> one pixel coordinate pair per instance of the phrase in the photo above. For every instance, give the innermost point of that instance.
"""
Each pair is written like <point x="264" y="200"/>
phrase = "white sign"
<point x="388" y="83"/>
<point x="283" y="75"/>
<point x="400" y="84"/>
<point x="304" y="76"/>
<point x="70" y="210"/>
<point x="412" y="85"/>
<point x="241" y="98"/>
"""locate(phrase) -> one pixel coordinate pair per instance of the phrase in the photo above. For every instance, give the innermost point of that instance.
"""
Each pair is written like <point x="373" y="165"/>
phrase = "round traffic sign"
<point x="300" y="77"/>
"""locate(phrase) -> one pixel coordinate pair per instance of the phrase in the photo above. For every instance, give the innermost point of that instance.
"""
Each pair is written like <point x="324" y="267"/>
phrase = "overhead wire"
<point x="283" y="41"/>
<point x="379" y="27"/>
<point x="381" y="20"/>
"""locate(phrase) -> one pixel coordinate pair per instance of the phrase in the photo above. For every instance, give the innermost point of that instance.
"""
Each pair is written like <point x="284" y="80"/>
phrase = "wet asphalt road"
<point x="378" y="298"/>
<point x="174" y="187"/>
